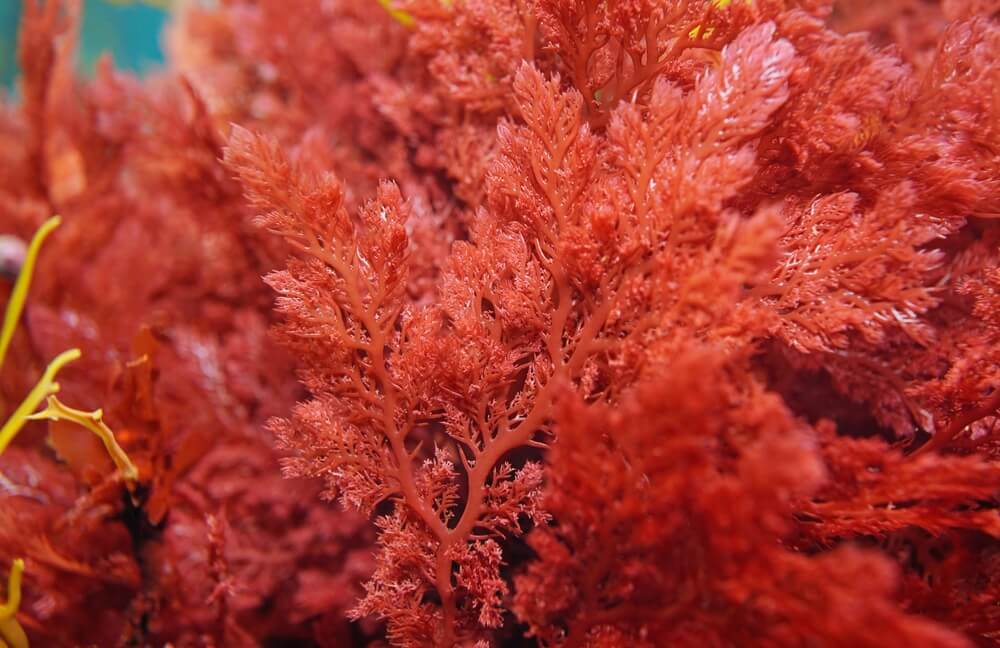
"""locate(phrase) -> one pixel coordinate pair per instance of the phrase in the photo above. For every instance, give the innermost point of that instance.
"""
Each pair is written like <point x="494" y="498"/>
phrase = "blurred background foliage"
<point x="129" y="30"/>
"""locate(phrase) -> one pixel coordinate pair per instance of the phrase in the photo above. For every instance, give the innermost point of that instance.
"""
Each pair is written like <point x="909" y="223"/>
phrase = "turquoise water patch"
<point x="130" y="31"/>
<point x="9" y="12"/>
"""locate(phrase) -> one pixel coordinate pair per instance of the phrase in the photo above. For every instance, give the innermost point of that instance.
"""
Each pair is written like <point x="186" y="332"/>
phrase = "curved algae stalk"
<point x="404" y="18"/>
<point x="44" y="388"/>
<point x="12" y="635"/>
<point x="93" y="421"/>
<point x="16" y="304"/>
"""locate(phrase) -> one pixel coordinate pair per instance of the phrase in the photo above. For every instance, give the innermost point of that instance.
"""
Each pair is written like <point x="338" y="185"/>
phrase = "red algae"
<point x="607" y="324"/>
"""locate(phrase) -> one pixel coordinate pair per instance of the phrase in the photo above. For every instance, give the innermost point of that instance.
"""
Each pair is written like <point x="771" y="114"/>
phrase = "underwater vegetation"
<point x="568" y="323"/>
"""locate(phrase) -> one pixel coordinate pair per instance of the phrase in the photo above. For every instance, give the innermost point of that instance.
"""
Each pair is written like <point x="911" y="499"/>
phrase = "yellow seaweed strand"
<point x="706" y="32"/>
<point x="400" y="16"/>
<point x="46" y="386"/>
<point x="11" y="633"/>
<point x="16" y="304"/>
<point x="93" y="421"/>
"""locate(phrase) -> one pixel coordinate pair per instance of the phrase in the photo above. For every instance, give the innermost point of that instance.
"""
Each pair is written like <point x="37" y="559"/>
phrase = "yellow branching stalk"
<point x="45" y="387"/>
<point x="11" y="633"/>
<point x="93" y="421"/>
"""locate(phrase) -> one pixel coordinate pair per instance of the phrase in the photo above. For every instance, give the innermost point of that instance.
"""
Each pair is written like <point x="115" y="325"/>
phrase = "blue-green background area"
<point x="130" y="31"/>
